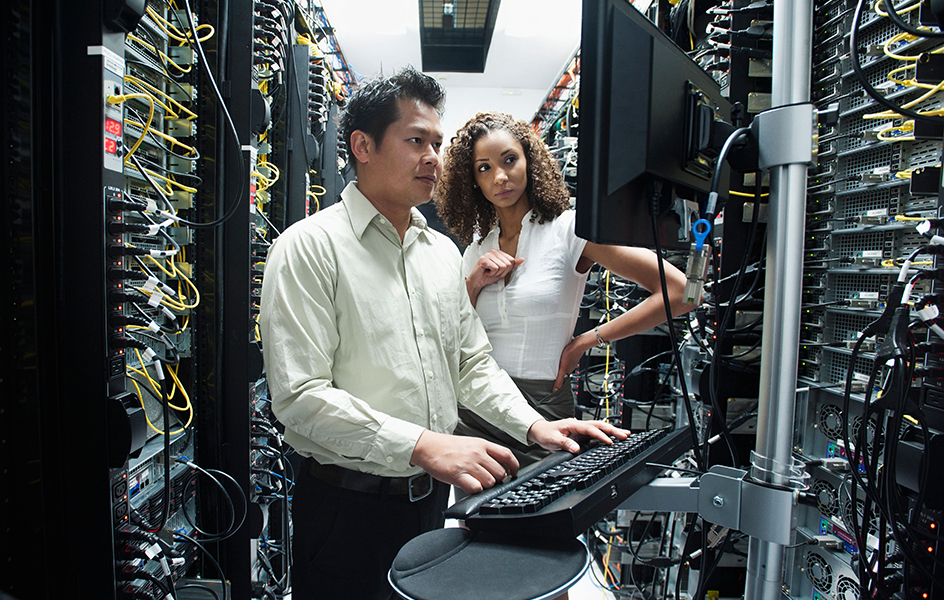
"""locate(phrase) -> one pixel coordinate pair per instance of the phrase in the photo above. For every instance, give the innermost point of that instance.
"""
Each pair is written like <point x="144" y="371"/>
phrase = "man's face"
<point x="408" y="163"/>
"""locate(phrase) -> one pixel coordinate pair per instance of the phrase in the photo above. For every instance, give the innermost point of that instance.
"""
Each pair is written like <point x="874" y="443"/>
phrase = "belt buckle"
<point x="419" y="486"/>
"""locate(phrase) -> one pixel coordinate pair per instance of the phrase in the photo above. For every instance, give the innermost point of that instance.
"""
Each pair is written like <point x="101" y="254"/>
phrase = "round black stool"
<point x="458" y="564"/>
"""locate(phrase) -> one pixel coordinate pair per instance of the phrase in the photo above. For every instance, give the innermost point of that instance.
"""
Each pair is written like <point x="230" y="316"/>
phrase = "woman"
<point x="526" y="269"/>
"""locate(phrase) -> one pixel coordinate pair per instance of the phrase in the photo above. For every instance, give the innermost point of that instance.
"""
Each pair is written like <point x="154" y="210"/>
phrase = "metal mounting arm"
<point x="724" y="496"/>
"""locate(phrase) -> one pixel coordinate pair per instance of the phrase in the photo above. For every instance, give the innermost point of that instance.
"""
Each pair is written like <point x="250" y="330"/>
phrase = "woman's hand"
<point x="491" y="267"/>
<point x="640" y="266"/>
<point x="571" y="356"/>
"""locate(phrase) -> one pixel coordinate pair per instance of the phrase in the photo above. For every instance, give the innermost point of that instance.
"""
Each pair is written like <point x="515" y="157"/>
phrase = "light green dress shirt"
<point x="368" y="341"/>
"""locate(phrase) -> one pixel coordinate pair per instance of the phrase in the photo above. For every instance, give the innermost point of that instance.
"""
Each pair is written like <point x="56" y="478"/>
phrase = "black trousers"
<point x="344" y="541"/>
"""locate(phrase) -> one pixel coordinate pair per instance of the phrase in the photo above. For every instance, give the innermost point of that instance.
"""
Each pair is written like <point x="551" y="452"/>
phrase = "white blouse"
<point x="530" y="320"/>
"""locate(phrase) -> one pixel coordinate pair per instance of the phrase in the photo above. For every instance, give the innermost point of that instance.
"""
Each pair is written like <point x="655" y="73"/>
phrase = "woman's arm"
<point x="640" y="266"/>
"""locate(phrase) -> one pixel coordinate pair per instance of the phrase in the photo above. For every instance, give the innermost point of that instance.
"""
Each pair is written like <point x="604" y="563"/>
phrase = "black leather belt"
<point x="415" y="487"/>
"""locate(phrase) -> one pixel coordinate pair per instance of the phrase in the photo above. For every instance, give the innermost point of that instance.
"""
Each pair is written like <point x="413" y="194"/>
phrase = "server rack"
<point x="130" y="181"/>
<point x="865" y="197"/>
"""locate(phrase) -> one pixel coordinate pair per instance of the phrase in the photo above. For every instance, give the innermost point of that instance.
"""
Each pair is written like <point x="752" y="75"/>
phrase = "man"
<point x="369" y="342"/>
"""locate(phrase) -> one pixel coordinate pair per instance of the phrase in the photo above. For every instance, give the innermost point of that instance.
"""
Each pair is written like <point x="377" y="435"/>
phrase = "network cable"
<point x="863" y="80"/>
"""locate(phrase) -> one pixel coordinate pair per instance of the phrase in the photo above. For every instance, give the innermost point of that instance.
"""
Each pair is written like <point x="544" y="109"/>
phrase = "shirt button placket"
<point x="502" y="311"/>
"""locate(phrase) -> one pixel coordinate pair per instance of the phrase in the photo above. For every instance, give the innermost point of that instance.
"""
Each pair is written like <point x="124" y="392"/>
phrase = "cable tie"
<point x="165" y="567"/>
<point x="168" y="291"/>
<point x="906" y="295"/>
<point x="903" y="273"/>
<point x="170" y="216"/>
<point x="155" y="300"/>
<point x="151" y="284"/>
<point x="153" y="326"/>
<point x="712" y="203"/>
<point x="929" y="313"/>
<point x="163" y="253"/>
<point x="151" y="206"/>
<point x="152" y="551"/>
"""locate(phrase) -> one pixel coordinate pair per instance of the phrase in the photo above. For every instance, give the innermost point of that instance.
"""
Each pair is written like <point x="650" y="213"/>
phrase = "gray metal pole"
<point x="792" y="50"/>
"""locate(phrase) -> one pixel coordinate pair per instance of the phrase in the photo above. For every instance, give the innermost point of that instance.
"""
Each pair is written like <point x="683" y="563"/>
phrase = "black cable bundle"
<point x="873" y="466"/>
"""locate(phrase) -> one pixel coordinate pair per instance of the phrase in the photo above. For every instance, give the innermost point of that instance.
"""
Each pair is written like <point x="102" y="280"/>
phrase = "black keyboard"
<point x="564" y="494"/>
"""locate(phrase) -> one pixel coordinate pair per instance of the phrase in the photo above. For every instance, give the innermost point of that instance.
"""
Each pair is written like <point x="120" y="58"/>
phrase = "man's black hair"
<point x="374" y="105"/>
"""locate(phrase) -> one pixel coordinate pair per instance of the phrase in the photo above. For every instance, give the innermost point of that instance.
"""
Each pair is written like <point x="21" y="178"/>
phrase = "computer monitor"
<point x="646" y="112"/>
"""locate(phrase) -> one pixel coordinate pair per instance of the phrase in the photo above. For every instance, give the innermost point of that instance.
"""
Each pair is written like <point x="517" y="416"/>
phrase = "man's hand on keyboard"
<point x="470" y="463"/>
<point x="563" y="434"/>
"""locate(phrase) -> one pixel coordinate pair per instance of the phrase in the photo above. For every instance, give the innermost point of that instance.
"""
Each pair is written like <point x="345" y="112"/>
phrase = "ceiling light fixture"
<point x="455" y="34"/>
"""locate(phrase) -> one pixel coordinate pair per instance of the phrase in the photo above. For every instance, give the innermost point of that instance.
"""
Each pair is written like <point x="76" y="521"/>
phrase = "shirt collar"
<point x="528" y="219"/>
<point x="492" y="236"/>
<point x="362" y="213"/>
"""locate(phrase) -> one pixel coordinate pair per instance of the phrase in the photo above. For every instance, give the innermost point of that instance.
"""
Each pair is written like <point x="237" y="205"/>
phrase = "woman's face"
<point x="500" y="168"/>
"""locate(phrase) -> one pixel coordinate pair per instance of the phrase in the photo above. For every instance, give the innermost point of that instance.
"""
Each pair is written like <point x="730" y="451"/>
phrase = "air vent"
<point x="830" y="421"/>
<point x="847" y="589"/>
<point x="819" y="572"/>
<point x="826" y="499"/>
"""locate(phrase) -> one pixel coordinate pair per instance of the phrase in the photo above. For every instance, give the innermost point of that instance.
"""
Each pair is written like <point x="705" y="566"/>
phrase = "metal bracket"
<point x="724" y="496"/>
<point x="687" y="212"/>
<point x="786" y="136"/>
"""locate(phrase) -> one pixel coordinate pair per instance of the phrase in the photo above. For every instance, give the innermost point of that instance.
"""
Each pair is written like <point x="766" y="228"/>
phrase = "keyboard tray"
<point x="564" y="494"/>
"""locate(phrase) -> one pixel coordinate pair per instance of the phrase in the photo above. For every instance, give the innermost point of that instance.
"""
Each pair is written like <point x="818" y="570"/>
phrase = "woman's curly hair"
<point x="464" y="209"/>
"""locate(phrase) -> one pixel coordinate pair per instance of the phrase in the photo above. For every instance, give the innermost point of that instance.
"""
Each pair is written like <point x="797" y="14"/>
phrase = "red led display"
<point x="112" y="126"/>
<point x="111" y="146"/>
